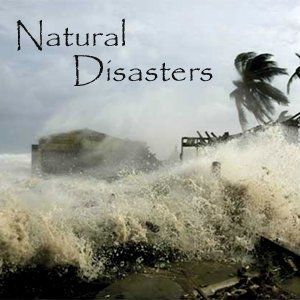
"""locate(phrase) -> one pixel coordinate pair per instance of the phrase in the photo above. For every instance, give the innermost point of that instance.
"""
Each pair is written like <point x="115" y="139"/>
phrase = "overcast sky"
<point x="38" y="96"/>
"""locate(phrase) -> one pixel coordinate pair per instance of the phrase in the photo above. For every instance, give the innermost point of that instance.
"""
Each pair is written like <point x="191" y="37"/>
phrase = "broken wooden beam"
<point x="281" y="243"/>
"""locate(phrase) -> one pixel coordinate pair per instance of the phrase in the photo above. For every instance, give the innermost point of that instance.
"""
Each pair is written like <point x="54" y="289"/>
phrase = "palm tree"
<point x="253" y="91"/>
<point x="294" y="76"/>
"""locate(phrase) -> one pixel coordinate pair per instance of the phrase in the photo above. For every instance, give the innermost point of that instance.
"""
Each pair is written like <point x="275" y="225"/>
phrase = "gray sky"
<point x="37" y="88"/>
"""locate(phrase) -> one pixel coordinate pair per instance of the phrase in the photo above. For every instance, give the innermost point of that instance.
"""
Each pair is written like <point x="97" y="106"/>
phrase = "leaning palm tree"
<point x="294" y="76"/>
<point x="253" y="91"/>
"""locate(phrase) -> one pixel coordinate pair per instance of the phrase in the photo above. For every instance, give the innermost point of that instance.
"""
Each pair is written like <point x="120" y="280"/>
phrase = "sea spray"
<point x="69" y="220"/>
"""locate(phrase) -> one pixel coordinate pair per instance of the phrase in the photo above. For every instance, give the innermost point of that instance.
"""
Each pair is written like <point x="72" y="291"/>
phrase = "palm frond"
<point x="237" y="94"/>
<point x="241" y="61"/>
<point x="272" y="92"/>
<point x="283" y="116"/>
<point x="294" y="76"/>
<point x="268" y="73"/>
<point x="260" y="61"/>
<point x="260" y="105"/>
<point x="262" y="68"/>
<point x="241" y="113"/>
<point x="254" y="91"/>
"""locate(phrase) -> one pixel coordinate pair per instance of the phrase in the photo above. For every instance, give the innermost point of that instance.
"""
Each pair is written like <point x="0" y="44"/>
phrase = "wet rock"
<point x="239" y="292"/>
<point x="40" y="282"/>
<point x="254" y="287"/>
<point x="292" y="285"/>
<point x="143" y="287"/>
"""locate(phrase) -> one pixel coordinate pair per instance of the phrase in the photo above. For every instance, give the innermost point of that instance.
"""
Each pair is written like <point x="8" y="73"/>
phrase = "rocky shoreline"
<point x="274" y="275"/>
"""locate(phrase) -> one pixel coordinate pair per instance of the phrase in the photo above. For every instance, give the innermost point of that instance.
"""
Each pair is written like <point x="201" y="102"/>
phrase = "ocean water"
<point x="66" y="220"/>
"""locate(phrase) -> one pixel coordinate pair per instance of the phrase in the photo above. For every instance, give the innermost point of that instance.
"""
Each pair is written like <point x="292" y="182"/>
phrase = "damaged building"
<point x="290" y="129"/>
<point x="90" y="151"/>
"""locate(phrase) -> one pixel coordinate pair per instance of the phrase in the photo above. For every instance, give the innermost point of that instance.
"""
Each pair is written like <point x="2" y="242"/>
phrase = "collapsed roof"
<point x="291" y="124"/>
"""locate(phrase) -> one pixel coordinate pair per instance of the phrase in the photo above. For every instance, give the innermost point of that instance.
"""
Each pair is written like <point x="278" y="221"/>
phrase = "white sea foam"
<point x="66" y="219"/>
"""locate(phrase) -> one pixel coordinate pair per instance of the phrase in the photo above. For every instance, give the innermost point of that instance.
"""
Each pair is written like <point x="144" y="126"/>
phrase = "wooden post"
<point x="35" y="159"/>
<point x="181" y="152"/>
<point x="216" y="169"/>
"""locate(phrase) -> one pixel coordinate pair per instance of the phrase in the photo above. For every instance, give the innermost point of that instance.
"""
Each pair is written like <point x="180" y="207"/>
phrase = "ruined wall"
<point x="86" y="150"/>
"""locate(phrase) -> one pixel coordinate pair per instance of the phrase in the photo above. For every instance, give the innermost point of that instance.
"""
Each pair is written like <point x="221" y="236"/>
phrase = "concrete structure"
<point x="82" y="150"/>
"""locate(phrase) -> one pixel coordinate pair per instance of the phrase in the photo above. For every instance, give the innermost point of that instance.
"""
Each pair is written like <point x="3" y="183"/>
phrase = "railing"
<point x="209" y="139"/>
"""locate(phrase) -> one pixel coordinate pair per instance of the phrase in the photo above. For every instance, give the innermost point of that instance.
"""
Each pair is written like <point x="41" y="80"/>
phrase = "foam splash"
<point x="66" y="220"/>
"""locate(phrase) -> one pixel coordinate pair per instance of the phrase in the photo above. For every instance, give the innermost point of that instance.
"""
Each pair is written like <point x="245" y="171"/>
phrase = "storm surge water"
<point x="69" y="220"/>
